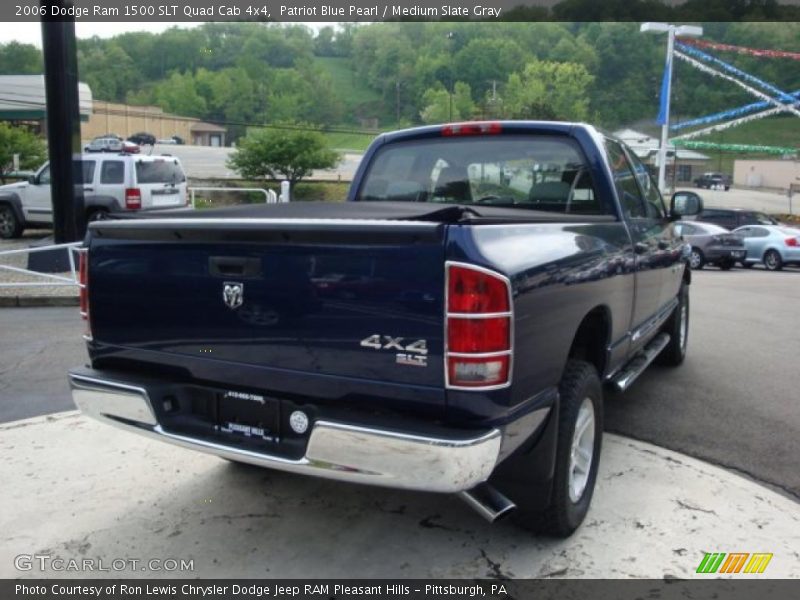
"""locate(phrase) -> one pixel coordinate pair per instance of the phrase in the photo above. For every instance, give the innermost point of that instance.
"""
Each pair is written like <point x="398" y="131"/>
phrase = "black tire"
<point x="697" y="260"/>
<point x="773" y="260"/>
<point x="677" y="326"/>
<point x="566" y="511"/>
<point x="726" y="265"/>
<point x="10" y="226"/>
<point x="96" y="214"/>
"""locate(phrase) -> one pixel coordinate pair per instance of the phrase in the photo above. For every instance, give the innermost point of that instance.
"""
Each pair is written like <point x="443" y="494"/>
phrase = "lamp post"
<point x="666" y="86"/>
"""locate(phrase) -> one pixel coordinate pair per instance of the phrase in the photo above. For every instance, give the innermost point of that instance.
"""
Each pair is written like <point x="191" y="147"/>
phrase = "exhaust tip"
<point x="488" y="502"/>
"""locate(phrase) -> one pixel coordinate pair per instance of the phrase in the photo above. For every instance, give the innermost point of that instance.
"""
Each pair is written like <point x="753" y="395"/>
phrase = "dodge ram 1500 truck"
<point x="449" y="329"/>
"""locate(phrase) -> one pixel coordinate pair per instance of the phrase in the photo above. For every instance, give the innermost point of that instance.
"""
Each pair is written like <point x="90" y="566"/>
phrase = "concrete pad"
<point x="77" y="489"/>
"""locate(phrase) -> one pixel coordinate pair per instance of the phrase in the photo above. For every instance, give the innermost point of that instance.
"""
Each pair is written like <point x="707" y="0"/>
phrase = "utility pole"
<point x="63" y="126"/>
<point x="397" y="101"/>
<point x="450" y="36"/>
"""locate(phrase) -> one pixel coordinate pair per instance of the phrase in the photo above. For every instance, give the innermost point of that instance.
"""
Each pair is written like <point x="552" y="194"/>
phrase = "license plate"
<point x="249" y="416"/>
<point x="164" y="191"/>
<point x="738" y="254"/>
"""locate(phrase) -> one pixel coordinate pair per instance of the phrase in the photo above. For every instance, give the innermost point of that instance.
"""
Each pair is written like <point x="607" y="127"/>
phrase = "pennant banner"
<point x="740" y="49"/>
<point x="737" y="72"/>
<point x="759" y="94"/>
<point x="741" y="148"/>
<point x="727" y="114"/>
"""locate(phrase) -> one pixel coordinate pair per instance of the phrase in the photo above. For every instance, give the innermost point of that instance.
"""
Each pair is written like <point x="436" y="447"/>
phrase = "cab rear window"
<point x="521" y="171"/>
<point x="159" y="171"/>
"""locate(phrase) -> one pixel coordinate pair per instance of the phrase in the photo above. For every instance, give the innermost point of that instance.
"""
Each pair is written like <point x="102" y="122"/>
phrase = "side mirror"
<point x="32" y="179"/>
<point x="685" y="204"/>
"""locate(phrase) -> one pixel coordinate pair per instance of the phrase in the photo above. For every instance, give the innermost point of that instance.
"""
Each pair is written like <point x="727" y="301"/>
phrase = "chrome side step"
<point x="623" y="379"/>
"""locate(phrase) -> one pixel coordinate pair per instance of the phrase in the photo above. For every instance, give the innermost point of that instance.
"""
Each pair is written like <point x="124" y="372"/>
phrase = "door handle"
<point x="88" y="189"/>
<point x="234" y="266"/>
<point x="640" y="247"/>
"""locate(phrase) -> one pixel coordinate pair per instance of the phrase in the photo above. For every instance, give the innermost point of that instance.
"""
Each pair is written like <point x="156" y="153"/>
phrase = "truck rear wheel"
<point x="677" y="326"/>
<point x="580" y="432"/>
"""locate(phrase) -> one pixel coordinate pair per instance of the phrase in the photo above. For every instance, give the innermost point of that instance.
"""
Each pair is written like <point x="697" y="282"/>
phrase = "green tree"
<point x="179" y="95"/>
<point x="20" y="59"/>
<point x="437" y="104"/>
<point x="549" y="90"/>
<point x="16" y="140"/>
<point x="282" y="154"/>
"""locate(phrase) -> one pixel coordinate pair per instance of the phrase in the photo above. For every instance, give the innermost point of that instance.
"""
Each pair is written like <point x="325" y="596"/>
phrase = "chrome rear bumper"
<point x="335" y="450"/>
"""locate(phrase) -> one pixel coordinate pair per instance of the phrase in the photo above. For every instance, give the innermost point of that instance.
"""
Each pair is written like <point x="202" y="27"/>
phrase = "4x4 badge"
<point x="233" y="294"/>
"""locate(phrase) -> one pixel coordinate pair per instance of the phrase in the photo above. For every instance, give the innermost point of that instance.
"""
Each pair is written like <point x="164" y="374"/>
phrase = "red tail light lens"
<point x="83" y="286"/>
<point x="479" y="323"/>
<point x="133" y="198"/>
<point x="478" y="335"/>
<point x="791" y="242"/>
<point x="473" y="291"/>
<point x="474" y="128"/>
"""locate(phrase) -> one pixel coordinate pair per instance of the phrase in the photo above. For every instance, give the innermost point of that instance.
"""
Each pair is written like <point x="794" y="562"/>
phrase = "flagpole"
<point x="666" y="92"/>
<point x="666" y="87"/>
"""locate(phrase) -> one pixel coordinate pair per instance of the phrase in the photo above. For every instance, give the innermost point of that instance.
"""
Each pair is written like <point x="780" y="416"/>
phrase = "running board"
<point x="623" y="379"/>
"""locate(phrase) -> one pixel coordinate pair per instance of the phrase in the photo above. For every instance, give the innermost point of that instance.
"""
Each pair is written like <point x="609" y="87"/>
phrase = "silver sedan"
<point x="773" y="245"/>
<point x="711" y="244"/>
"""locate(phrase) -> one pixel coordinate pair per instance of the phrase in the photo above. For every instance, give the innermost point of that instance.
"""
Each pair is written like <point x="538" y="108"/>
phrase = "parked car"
<point x="104" y="144"/>
<point x="711" y="244"/>
<point x="178" y="140"/>
<point x="772" y="245"/>
<point x="167" y="141"/>
<point x="714" y="181"/>
<point x="474" y="365"/>
<point x="731" y="218"/>
<point x="112" y="183"/>
<point x="143" y="139"/>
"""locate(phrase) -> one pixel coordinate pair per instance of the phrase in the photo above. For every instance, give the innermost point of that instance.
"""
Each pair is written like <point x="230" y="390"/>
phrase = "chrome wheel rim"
<point x="771" y="260"/>
<point x="684" y="325"/>
<point x="694" y="259"/>
<point x="582" y="451"/>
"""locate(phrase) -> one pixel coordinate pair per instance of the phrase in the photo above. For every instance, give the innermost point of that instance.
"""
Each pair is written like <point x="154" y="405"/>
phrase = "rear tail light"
<point x="792" y="242"/>
<point x="474" y="128"/>
<point x="478" y="328"/>
<point x="83" y="286"/>
<point x="133" y="198"/>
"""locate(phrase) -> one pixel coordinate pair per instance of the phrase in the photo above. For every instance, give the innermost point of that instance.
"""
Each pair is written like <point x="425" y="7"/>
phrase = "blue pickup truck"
<point x="450" y="328"/>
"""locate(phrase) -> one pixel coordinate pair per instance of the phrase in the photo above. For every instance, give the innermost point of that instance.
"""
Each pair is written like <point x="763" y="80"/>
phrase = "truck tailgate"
<point x="348" y="298"/>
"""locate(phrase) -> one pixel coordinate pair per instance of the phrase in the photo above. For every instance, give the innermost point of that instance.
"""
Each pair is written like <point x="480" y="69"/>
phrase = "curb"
<point x="37" y="301"/>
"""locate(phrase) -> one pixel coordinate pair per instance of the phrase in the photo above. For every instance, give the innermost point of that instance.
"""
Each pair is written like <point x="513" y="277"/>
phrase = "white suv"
<point x="112" y="183"/>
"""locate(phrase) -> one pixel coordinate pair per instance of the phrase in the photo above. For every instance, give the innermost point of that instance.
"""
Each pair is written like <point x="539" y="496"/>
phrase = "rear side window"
<point x="83" y="171"/>
<point x="159" y="171"/>
<point x="112" y="171"/>
<point x="628" y="190"/>
<point x="521" y="171"/>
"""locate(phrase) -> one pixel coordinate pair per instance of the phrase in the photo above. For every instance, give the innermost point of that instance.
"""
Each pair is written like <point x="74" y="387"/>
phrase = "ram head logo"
<point x="233" y="294"/>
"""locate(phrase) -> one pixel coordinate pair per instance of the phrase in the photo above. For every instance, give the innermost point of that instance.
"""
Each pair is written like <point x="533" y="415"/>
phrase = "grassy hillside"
<point x="360" y="101"/>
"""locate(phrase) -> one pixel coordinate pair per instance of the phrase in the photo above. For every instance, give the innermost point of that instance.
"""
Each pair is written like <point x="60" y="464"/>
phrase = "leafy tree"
<point x="16" y="140"/>
<point x="282" y="154"/>
<point x="110" y="72"/>
<point x="20" y="59"/>
<point x="549" y="90"/>
<point x="437" y="104"/>
<point x="179" y="95"/>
